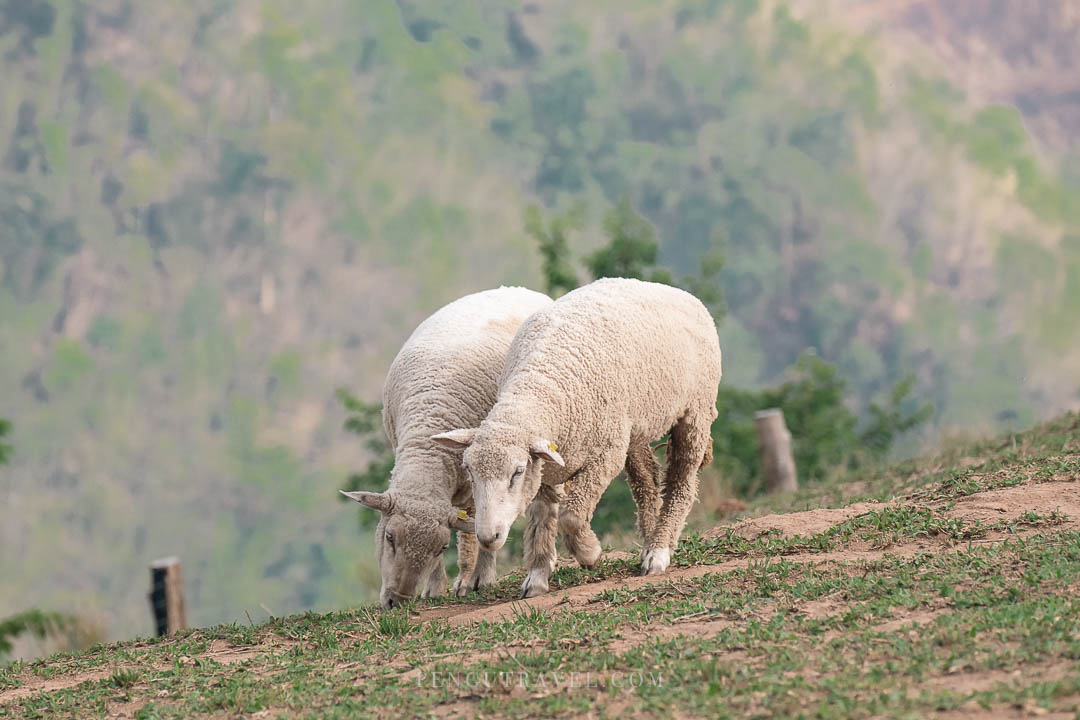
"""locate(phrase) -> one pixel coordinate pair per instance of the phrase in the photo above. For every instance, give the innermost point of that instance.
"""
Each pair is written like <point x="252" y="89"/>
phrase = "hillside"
<point x="956" y="596"/>
<point x="215" y="214"/>
<point x="1027" y="55"/>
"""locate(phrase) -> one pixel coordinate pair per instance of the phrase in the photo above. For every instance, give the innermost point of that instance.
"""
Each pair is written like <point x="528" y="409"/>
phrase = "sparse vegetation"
<point x="213" y="214"/>
<point x="909" y="609"/>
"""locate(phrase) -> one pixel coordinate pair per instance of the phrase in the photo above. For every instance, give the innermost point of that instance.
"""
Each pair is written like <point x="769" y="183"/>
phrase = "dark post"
<point x="167" y="596"/>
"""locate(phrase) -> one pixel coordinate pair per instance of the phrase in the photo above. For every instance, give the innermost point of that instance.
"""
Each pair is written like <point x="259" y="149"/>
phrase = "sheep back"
<point x="615" y="357"/>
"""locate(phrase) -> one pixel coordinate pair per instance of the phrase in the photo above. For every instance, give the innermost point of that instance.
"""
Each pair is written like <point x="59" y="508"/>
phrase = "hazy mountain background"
<point x="215" y="213"/>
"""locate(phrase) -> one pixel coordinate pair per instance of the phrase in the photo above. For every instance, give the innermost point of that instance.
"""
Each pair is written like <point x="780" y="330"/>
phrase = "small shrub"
<point x="5" y="449"/>
<point x="124" y="678"/>
<point x="38" y="623"/>
<point x="365" y="420"/>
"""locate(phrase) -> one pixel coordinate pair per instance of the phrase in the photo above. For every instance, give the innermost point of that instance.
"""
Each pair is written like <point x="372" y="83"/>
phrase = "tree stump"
<point x="167" y="596"/>
<point x="777" y="461"/>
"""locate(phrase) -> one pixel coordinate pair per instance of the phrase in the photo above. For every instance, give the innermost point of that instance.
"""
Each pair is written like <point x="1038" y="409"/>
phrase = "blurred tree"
<point x="38" y="623"/>
<point x="365" y="419"/>
<point x="5" y="449"/>
<point x="825" y="431"/>
<point x="900" y="414"/>
<point x="551" y="239"/>
<point x="631" y="249"/>
<point x="631" y="252"/>
<point x="822" y="429"/>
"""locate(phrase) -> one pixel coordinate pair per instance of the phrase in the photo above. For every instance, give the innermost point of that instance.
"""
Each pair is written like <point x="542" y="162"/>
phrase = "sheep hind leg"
<point x="643" y="475"/>
<point x="540" y="535"/>
<point x="583" y="493"/>
<point x="690" y="441"/>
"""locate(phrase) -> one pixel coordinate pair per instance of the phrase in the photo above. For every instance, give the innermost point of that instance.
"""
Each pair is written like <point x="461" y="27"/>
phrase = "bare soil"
<point x="1008" y="505"/>
<point x="989" y="507"/>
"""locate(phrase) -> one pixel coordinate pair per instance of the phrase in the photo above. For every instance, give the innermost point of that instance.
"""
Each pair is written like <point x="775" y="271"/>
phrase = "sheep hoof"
<point x="589" y="558"/>
<point x="481" y="580"/>
<point x="461" y="586"/>
<point x="656" y="561"/>
<point x="536" y="583"/>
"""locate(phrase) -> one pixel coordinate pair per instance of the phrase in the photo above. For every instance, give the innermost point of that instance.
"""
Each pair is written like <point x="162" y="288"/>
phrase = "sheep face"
<point x="409" y="549"/>
<point x="409" y="543"/>
<point x="505" y="471"/>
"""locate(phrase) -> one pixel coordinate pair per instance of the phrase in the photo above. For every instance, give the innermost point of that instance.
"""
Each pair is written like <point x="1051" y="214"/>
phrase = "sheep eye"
<point x="445" y="547"/>
<point x="390" y="539"/>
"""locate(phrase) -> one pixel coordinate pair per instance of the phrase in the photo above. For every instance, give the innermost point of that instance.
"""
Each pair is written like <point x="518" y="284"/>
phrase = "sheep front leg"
<point x="466" y="551"/>
<point x="476" y="567"/>
<point x="484" y="573"/>
<point x="436" y="582"/>
<point x="540" y="534"/>
<point x="583" y="493"/>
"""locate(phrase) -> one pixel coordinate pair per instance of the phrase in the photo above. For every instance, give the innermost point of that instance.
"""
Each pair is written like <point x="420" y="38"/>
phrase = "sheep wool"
<point x="445" y="376"/>
<point x="589" y="382"/>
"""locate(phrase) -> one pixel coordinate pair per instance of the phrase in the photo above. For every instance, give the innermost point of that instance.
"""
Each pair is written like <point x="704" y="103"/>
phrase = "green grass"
<point x="963" y="467"/>
<point x="927" y="613"/>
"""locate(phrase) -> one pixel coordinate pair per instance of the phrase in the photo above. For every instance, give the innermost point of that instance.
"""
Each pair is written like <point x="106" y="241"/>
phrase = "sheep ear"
<point x="456" y="439"/>
<point x="547" y="450"/>
<point x="378" y="501"/>
<point x="462" y="524"/>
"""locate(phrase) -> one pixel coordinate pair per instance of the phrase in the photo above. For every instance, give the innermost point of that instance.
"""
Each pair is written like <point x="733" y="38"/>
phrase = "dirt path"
<point x="219" y="651"/>
<point x="1008" y="504"/>
<point x="581" y="596"/>
<point x="32" y="685"/>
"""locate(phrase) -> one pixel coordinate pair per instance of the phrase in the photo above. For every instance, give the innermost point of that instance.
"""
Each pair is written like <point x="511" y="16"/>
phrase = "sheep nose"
<point x="489" y="539"/>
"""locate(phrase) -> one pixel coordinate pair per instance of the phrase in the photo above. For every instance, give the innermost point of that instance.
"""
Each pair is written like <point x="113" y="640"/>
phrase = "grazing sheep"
<point x="589" y="382"/>
<point x="445" y="376"/>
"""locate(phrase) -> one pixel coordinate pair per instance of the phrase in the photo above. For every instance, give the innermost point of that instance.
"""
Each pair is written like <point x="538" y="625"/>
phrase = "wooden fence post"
<point x="167" y="596"/>
<point x="776" y="458"/>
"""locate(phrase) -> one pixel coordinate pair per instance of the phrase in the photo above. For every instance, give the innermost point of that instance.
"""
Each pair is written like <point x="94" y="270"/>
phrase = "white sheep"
<point x="589" y="382"/>
<point x="445" y="376"/>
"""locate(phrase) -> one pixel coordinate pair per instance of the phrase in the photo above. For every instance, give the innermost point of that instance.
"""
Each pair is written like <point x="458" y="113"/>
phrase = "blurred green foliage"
<point x="38" y="623"/>
<point x="812" y="397"/>
<point x="365" y="419"/>
<point x="631" y="252"/>
<point x="826" y="435"/>
<point x="213" y="214"/>
<point x="5" y="449"/>
<point x="552" y="240"/>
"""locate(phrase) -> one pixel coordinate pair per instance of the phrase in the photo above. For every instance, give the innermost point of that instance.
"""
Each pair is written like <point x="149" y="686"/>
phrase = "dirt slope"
<point x="846" y="580"/>
<point x="1007" y="504"/>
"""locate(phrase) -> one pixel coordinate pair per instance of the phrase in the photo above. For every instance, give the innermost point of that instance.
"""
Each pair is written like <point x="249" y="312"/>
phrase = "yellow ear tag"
<point x="553" y="447"/>
<point x="462" y="515"/>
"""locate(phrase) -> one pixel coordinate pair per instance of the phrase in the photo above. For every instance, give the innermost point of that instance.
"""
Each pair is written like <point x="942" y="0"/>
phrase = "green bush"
<point x="825" y="431"/>
<point x="35" y="622"/>
<point x="631" y="252"/>
<point x="365" y="420"/>
<point x="5" y="449"/>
